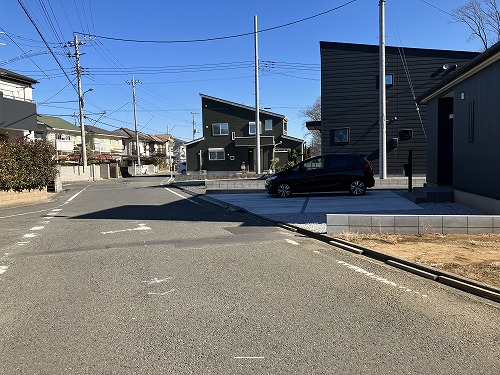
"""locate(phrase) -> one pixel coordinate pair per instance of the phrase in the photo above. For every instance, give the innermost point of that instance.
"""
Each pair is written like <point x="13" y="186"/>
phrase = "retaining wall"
<point x="412" y="224"/>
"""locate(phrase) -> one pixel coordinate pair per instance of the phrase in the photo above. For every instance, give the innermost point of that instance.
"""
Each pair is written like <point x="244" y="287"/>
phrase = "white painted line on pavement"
<point x="29" y="235"/>
<point x="179" y="195"/>
<point x="380" y="279"/>
<point x="291" y="242"/>
<point x="37" y="228"/>
<point x="21" y="243"/>
<point x="3" y="269"/>
<point x="140" y="227"/>
<point x="156" y="280"/>
<point x="76" y="195"/>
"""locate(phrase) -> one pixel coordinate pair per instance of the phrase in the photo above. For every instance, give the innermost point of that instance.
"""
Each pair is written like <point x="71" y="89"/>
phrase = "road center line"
<point x="179" y="195"/>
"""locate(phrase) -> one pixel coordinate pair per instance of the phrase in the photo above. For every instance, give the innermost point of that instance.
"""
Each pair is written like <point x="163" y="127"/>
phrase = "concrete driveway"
<point x="374" y="200"/>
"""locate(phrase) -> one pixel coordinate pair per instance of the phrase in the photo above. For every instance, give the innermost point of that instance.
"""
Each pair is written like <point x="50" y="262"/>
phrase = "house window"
<point x="268" y="125"/>
<point x="339" y="136"/>
<point x="285" y="128"/>
<point x="389" y="81"/>
<point x="252" y="129"/>
<point x="216" y="154"/>
<point x="220" y="129"/>
<point x="471" y="122"/>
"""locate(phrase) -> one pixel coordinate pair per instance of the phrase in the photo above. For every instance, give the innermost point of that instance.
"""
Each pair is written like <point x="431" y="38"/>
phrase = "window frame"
<point x="216" y="150"/>
<point x="334" y="142"/>
<point x="220" y="133"/>
<point x="266" y="123"/>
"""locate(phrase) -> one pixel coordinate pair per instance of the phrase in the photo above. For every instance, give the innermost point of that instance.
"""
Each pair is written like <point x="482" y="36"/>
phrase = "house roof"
<point x="128" y="133"/>
<point x="194" y="141"/>
<point x="8" y="75"/>
<point x="241" y="106"/>
<point x="98" y="131"/>
<point x="293" y="139"/>
<point x="162" y="137"/>
<point x="485" y="59"/>
<point x="57" y="123"/>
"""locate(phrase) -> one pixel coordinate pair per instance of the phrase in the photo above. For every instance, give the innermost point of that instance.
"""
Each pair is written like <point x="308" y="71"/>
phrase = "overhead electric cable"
<point x="222" y="37"/>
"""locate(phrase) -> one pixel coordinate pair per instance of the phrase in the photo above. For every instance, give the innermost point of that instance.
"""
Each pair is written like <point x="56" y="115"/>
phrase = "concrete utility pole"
<point x="80" y="101"/>
<point x="194" y="128"/>
<point x="133" y="83"/>
<point x="382" y="93"/>
<point x="257" y="119"/>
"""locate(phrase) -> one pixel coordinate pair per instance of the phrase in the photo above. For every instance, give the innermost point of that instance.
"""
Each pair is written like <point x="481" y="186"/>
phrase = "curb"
<point x="449" y="279"/>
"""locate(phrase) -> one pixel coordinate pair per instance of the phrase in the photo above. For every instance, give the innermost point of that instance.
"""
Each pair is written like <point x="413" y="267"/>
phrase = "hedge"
<point x="26" y="165"/>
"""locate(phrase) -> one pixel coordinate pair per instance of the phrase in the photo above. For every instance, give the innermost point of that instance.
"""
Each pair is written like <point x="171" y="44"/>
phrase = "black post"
<point x="410" y="171"/>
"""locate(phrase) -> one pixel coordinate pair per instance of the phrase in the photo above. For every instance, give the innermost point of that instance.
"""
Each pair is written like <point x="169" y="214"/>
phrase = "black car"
<point x="349" y="172"/>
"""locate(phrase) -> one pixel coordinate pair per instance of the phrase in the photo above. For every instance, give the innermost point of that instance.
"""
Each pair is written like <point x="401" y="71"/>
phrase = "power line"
<point x="222" y="37"/>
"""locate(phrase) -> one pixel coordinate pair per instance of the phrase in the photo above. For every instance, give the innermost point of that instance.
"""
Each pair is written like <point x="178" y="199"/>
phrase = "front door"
<point x="251" y="161"/>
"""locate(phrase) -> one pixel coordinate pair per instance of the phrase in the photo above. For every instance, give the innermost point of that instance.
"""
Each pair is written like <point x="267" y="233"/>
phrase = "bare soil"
<point x="474" y="256"/>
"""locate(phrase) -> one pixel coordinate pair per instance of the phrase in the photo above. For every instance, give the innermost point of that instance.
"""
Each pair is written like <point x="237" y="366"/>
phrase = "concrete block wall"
<point x="12" y="198"/>
<point x="75" y="173"/>
<point x="235" y="184"/>
<point x="412" y="224"/>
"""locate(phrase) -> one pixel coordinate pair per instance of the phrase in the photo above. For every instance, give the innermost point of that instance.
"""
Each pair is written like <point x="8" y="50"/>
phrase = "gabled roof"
<point x="127" y="133"/>
<point x="161" y="137"/>
<point x="57" y="123"/>
<point x="241" y="106"/>
<point x="98" y="131"/>
<point x="485" y="59"/>
<point x="194" y="141"/>
<point x="8" y="75"/>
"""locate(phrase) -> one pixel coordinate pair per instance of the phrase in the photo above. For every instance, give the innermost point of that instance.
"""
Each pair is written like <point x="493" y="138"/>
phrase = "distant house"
<point x="129" y="142"/>
<point x="228" y="138"/>
<point x="350" y="100"/>
<point x="63" y="135"/>
<point x="101" y="141"/>
<point x="17" y="109"/>
<point x="463" y="132"/>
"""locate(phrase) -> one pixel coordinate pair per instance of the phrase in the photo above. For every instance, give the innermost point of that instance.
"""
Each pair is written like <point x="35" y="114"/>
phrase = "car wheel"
<point x="284" y="190"/>
<point x="357" y="187"/>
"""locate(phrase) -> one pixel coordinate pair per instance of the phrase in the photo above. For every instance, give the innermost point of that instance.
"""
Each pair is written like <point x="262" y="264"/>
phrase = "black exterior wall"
<point x="238" y="144"/>
<point x="17" y="115"/>
<point x="350" y="99"/>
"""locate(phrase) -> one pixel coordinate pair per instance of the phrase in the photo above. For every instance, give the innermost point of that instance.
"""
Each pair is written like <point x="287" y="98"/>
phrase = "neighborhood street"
<point x="134" y="276"/>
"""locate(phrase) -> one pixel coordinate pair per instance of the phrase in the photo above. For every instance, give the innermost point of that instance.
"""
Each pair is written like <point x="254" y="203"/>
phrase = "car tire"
<point x="357" y="187"/>
<point x="284" y="190"/>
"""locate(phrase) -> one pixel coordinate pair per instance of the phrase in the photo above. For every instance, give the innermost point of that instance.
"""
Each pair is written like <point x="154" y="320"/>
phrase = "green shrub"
<point x="26" y="165"/>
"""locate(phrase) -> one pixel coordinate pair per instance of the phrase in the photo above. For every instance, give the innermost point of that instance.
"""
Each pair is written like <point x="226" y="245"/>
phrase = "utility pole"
<point x="257" y="119"/>
<point x="133" y="83"/>
<point x="382" y="93"/>
<point x="194" y="128"/>
<point x="75" y="43"/>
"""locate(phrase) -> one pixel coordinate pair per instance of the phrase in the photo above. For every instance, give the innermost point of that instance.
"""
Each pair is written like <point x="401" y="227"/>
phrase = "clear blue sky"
<point x="174" y="74"/>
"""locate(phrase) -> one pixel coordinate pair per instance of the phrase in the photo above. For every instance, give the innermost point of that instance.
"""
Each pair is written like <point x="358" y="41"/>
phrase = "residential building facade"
<point x="228" y="141"/>
<point x="350" y="100"/>
<point x="463" y="115"/>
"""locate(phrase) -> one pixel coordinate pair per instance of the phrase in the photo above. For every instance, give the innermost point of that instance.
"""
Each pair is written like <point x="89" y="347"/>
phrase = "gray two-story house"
<point x="229" y="138"/>
<point x="350" y="99"/>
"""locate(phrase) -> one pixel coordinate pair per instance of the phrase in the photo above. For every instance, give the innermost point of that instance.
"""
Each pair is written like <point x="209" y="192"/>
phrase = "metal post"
<point x="257" y="119"/>
<point x="133" y="82"/>
<point x="80" y="103"/>
<point x="382" y="120"/>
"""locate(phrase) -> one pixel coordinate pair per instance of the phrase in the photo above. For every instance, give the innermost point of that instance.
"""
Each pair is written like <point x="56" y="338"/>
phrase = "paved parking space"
<point x="374" y="200"/>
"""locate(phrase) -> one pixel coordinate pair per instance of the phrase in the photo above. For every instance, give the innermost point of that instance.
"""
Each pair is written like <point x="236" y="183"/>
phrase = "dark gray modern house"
<point x="463" y="132"/>
<point x="17" y="109"/>
<point x="229" y="138"/>
<point x="350" y="100"/>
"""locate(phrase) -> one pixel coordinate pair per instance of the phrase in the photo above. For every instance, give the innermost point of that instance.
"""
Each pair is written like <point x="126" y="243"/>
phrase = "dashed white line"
<point x="156" y="280"/>
<point x="378" y="278"/>
<point x="161" y="294"/>
<point x="37" y="228"/>
<point x="29" y="235"/>
<point x="3" y="269"/>
<point x="292" y="242"/>
<point x="140" y="227"/>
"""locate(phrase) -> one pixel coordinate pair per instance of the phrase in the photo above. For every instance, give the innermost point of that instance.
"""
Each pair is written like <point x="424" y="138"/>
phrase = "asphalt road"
<point x="136" y="277"/>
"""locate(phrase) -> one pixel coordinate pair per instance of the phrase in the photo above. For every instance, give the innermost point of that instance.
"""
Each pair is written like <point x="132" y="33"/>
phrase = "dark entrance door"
<point x="445" y="142"/>
<point x="251" y="162"/>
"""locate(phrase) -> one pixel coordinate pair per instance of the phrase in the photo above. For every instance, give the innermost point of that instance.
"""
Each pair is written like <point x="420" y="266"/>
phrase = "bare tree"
<point x="483" y="19"/>
<point x="313" y="113"/>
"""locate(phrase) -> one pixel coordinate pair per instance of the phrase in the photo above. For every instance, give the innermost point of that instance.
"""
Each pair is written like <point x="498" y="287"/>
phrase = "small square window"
<point x="339" y="136"/>
<point x="216" y="154"/>
<point x="252" y="129"/>
<point x="268" y="125"/>
<point x="220" y="129"/>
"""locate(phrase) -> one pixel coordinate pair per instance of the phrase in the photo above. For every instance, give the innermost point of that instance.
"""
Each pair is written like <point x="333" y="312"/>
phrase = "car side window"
<point x="339" y="161"/>
<point x="318" y="163"/>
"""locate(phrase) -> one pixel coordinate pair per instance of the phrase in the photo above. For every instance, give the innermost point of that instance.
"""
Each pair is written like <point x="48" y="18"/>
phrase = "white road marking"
<point x="3" y="269"/>
<point x="76" y="195"/>
<point x="57" y="209"/>
<point x="37" y="228"/>
<point x="140" y="227"/>
<point x="160" y="294"/>
<point x="292" y="242"/>
<point x="249" y="357"/>
<point x="156" y="281"/>
<point x="48" y="217"/>
<point x="179" y="195"/>
<point x="45" y="222"/>
<point x="378" y="278"/>
<point x="20" y="243"/>
<point x="29" y="235"/>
